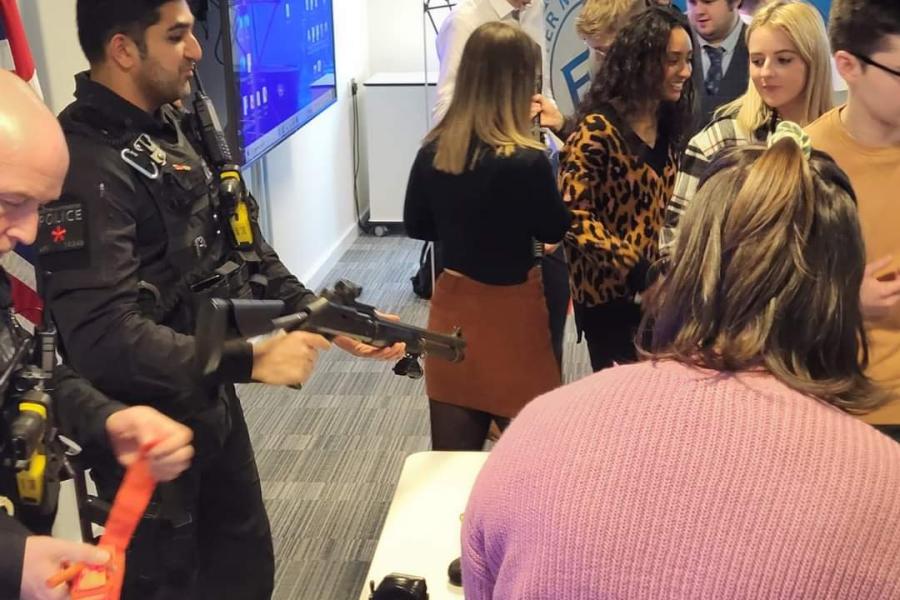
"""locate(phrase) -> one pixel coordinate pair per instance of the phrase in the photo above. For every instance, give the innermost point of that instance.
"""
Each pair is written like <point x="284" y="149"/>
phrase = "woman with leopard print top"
<point x="617" y="172"/>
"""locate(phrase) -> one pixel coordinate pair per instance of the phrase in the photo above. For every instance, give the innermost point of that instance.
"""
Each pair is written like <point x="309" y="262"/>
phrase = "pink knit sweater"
<point x="659" y="481"/>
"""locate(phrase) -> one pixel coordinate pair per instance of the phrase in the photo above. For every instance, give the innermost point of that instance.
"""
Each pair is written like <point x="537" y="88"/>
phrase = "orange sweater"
<point x="875" y="175"/>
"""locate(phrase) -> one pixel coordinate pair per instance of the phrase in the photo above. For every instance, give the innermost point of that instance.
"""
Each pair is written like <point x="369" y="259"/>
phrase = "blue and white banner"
<point x="570" y="74"/>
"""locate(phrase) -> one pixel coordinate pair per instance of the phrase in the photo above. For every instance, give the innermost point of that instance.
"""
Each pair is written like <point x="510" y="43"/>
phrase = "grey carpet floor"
<point x="330" y="455"/>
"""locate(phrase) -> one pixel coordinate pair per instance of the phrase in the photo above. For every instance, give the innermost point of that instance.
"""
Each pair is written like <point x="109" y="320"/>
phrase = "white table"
<point x="421" y="533"/>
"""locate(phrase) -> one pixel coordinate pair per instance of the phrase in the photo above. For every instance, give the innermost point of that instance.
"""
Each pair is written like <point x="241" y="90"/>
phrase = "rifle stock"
<point x="335" y="313"/>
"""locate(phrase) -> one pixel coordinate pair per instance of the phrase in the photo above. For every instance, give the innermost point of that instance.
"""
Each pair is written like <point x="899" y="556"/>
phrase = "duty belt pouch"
<point x="258" y="283"/>
<point x="225" y="281"/>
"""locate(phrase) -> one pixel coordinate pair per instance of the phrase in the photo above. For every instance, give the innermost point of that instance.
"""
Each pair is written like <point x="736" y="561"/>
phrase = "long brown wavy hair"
<point x="766" y="274"/>
<point x="491" y="101"/>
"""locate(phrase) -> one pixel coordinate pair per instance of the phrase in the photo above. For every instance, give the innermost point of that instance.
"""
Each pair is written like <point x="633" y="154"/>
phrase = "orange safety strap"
<point x="104" y="582"/>
<point x="129" y="506"/>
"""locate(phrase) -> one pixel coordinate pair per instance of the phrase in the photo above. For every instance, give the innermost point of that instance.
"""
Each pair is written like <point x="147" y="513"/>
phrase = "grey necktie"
<point x="713" y="79"/>
<point x="516" y="13"/>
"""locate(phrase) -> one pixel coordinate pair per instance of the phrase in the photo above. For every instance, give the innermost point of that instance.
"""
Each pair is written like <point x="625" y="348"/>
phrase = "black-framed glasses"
<point x="876" y="64"/>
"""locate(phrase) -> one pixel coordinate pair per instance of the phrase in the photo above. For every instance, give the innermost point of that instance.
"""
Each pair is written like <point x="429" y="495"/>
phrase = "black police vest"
<point x="185" y="192"/>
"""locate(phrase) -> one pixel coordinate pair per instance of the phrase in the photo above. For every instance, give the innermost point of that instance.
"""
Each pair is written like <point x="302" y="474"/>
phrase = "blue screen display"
<point x="283" y="62"/>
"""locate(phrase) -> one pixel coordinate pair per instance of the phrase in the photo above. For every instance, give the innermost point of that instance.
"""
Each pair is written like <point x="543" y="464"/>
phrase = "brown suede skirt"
<point x="509" y="360"/>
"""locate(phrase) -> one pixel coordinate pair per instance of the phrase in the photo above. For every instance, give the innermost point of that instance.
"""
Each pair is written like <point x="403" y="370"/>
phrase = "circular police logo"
<point x="570" y="75"/>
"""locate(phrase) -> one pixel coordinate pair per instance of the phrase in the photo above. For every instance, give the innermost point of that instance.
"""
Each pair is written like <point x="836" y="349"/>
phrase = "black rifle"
<point x="336" y="312"/>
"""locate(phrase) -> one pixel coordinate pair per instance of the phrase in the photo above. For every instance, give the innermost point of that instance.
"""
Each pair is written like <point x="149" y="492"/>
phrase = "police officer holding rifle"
<point x="166" y="227"/>
<point x="39" y="400"/>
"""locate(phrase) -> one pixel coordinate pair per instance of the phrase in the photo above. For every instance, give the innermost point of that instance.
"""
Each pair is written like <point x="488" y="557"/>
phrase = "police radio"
<point x="232" y="191"/>
<point x="29" y="448"/>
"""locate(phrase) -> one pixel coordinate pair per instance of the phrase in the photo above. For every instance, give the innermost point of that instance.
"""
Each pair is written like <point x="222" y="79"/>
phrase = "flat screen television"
<point x="279" y="69"/>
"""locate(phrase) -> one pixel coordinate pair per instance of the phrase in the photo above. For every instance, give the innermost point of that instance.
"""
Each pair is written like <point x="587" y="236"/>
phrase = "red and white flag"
<point x="15" y="55"/>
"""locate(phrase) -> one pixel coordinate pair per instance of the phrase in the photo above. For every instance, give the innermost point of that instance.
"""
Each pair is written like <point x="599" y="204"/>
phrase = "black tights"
<point x="458" y="428"/>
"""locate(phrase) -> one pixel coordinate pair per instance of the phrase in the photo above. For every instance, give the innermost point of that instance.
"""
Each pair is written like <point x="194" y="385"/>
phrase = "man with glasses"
<point x="863" y="136"/>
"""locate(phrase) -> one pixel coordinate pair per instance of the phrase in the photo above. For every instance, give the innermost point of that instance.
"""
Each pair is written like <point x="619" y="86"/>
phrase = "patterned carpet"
<point x="330" y="455"/>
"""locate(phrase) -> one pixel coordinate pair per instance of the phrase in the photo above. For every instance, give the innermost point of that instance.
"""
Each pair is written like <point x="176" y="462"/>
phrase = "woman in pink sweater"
<point x="729" y="465"/>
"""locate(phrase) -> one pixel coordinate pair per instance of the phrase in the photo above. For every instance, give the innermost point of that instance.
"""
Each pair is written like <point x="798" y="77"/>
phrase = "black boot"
<point x="454" y="572"/>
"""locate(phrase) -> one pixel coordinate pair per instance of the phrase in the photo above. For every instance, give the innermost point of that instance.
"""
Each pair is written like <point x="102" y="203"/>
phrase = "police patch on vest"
<point x="61" y="228"/>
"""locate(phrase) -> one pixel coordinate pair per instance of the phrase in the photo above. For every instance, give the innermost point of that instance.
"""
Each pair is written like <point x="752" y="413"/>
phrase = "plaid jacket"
<point x="722" y="133"/>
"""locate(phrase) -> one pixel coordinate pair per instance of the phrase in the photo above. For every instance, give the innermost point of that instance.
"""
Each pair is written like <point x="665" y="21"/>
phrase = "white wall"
<point x="309" y="178"/>
<point x="395" y="35"/>
<point x="53" y="37"/>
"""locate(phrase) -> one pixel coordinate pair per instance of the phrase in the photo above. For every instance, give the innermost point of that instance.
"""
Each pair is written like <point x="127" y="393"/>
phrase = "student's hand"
<point x="551" y="117"/>
<point x="45" y="557"/>
<point x="138" y="427"/>
<point x="357" y="348"/>
<point x="287" y="358"/>
<point x="880" y="292"/>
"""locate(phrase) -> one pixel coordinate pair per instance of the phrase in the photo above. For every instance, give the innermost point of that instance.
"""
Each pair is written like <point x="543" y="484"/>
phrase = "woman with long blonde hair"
<point x="483" y="187"/>
<point x="790" y="80"/>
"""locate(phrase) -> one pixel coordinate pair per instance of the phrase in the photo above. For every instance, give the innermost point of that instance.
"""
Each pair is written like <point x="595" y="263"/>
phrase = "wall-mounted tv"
<point x="279" y="69"/>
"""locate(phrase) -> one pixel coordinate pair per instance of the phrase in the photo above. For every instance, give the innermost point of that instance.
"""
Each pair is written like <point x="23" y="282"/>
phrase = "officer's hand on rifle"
<point x="287" y="358"/>
<point x="44" y="557"/>
<point x="357" y="348"/>
<point x="167" y="442"/>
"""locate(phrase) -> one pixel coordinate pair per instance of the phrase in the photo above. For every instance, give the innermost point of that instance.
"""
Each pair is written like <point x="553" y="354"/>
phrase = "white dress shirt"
<point x="468" y="16"/>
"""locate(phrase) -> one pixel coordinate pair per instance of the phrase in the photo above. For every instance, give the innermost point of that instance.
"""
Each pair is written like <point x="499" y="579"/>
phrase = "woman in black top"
<point x="484" y="187"/>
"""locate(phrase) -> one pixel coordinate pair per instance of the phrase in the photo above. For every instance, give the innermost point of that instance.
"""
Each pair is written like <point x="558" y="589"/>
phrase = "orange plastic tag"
<point x="105" y="582"/>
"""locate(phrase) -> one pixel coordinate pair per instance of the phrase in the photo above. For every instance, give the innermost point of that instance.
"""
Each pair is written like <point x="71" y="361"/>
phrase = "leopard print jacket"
<point x="617" y="201"/>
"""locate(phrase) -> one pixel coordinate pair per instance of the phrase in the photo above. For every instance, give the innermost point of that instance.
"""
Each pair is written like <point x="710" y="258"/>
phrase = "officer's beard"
<point x="161" y="87"/>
